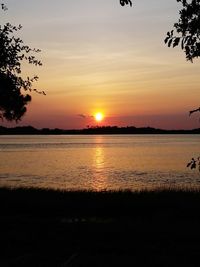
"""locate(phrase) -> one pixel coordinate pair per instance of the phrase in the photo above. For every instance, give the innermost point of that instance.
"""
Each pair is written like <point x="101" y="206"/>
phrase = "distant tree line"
<point x="94" y="130"/>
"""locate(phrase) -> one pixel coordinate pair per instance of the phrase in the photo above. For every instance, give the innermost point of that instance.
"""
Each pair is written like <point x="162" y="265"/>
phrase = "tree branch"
<point x="195" y="110"/>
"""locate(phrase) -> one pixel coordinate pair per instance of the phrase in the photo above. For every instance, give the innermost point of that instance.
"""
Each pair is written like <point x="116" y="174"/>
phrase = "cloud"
<point x="82" y="116"/>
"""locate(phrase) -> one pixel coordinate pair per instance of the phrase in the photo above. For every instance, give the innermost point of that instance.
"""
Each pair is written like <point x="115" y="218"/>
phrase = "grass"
<point x="86" y="228"/>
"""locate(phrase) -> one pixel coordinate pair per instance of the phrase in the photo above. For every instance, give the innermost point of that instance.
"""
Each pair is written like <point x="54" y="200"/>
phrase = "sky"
<point x="100" y="57"/>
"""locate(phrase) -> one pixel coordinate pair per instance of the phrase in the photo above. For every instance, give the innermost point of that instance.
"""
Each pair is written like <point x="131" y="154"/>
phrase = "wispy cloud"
<point x="82" y="116"/>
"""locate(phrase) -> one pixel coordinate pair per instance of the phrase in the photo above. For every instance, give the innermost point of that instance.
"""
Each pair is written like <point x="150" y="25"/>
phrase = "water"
<point x="98" y="162"/>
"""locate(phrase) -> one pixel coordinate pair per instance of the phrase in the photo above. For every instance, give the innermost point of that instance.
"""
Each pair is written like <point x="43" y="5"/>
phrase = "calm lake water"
<point x="98" y="162"/>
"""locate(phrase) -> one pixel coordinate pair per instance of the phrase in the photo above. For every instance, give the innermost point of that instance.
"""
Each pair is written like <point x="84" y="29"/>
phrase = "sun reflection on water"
<point x="100" y="179"/>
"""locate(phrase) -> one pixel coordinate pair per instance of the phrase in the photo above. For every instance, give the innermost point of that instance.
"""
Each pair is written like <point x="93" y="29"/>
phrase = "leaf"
<point x="170" y="42"/>
<point x="188" y="165"/>
<point x="193" y="165"/>
<point x="166" y="39"/>
<point x="176" y="41"/>
<point x="182" y="44"/>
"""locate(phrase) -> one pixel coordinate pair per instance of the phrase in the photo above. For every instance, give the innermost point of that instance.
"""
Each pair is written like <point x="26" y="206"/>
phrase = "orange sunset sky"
<point x="100" y="57"/>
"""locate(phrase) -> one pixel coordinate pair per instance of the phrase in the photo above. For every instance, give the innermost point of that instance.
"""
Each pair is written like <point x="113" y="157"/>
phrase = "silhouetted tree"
<point x="188" y="29"/>
<point x="12" y="53"/>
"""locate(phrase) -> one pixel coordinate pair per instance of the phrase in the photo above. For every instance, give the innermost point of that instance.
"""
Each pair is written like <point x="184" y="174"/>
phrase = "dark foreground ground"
<point x="51" y="228"/>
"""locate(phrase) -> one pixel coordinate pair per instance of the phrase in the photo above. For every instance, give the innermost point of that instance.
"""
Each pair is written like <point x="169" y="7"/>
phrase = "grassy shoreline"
<point x="110" y="228"/>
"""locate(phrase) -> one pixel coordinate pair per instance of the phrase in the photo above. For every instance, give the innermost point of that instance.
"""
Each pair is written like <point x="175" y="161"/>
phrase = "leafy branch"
<point x="188" y="30"/>
<point x="193" y="164"/>
<point x="195" y="110"/>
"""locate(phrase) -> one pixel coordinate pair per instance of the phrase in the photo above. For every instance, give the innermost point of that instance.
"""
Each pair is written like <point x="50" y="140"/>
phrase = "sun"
<point x="99" y="116"/>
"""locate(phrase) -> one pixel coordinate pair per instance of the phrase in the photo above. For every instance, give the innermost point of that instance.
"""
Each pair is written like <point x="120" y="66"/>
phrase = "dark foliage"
<point x="12" y="53"/>
<point x="12" y="102"/>
<point x="194" y="163"/>
<point x="52" y="228"/>
<point x="188" y="29"/>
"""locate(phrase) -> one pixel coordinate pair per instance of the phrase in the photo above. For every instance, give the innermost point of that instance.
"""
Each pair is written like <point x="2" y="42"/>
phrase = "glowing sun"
<point x="99" y="116"/>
